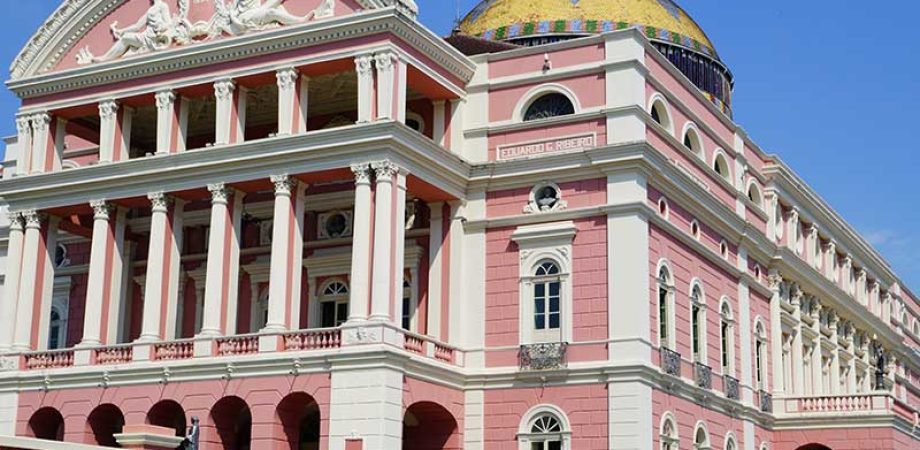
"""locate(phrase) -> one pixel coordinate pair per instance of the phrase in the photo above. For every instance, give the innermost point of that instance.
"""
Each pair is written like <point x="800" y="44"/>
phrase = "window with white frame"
<point x="58" y="319"/>
<point x="698" y="324"/>
<point x="701" y="438"/>
<point x="333" y="304"/>
<point x="260" y="316"/>
<point x="57" y="329"/>
<point x="553" y="104"/>
<point x="760" y="356"/>
<point x="726" y="337"/>
<point x="544" y="428"/>
<point x="546" y="281"/>
<point x="668" y="437"/>
<point x="409" y="305"/>
<point x="665" y="308"/>
<point x="730" y="442"/>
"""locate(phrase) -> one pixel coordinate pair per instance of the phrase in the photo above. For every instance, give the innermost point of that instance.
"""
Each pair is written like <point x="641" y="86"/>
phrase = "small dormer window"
<point x="548" y="106"/>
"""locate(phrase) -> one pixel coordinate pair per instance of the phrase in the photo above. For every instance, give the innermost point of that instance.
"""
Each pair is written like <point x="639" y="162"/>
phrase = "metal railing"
<point x="731" y="387"/>
<point x="670" y="361"/>
<point x="702" y="375"/>
<point x="766" y="402"/>
<point x="546" y="356"/>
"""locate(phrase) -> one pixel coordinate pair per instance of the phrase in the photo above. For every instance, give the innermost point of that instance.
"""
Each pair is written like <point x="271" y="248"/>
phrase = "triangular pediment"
<point x="82" y="33"/>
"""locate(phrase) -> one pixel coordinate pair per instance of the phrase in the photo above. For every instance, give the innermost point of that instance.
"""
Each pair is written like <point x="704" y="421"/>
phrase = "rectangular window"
<point x="725" y="343"/>
<point x="328" y="314"/>
<point x="758" y="358"/>
<point x="663" y="317"/>
<point x="407" y="312"/>
<point x="697" y="331"/>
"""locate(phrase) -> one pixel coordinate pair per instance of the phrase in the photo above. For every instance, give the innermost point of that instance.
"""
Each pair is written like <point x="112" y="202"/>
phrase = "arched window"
<point x="692" y="140"/>
<point x="701" y="438"/>
<point x="720" y="165"/>
<point x="754" y="194"/>
<point x="333" y="304"/>
<point x="726" y="337"/>
<point x="730" y="442"/>
<point x="546" y="429"/>
<point x="664" y="308"/>
<point x="668" y="437"/>
<point x="760" y="356"/>
<point x="659" y="113"/>
<point x="56" y="330"/>
<point x="547" y="314"/>
<point x="698" y="324"/>
<point x="549" y="105"/>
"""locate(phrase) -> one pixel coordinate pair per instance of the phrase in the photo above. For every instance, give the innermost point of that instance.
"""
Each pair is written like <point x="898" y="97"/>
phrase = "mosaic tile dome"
<point x="667" y="25"/>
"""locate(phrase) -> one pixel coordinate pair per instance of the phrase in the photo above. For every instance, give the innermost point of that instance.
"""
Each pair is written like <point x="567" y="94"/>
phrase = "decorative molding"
<point x="223" y="90"/>
<point x="283" y="184"/>
<point x="159" y="201"/>
<point x="219" y="193"/>
<point x="165" y="99"/>
<point x="362" y="173"/>
<point x="384" y="170"/>
<point x="101" y="209"/>
<point x="108" y="109"/>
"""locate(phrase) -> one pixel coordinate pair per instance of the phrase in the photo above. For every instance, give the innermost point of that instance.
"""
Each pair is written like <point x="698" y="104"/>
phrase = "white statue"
<point x="241" y="16"/>
<point x="155" y="30"/>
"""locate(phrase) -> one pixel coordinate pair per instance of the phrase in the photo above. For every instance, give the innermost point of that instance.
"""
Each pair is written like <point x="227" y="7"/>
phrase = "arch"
<point x="544" y="424"/>
<point x="232" y="420"/>
<point x="669" y="433"/>
<point x="430" y="426"/>
<point x="660" y="112"/>
<point x="695" y="229"/>
<point x="69" y="164"/>
<point x="300" y="417"/>
<point x="701" y="437"/>
<point x="720" y="165"/>
<point x="47" y="423"/>
<point x="168" y="414"/>
<point x="730" y="442"/>
<point x="532" y="96"/>
<point x="754" y="193"/>
<point x="692" y="140"/>
<point x="412" y="116"/>
<point x="664" y="208"/>
<point x="813" y="446"/>
<point x="103" y="423"/>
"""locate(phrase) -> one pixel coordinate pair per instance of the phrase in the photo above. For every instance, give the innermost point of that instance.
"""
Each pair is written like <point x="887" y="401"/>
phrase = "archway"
<point x="428" y="426"/>
<point x="233" y="421"/>
<point x="814" y="447"/>
<point x="300" y="417"/>
<point x="103" y="424"/>
<point x="47" y="423"/>
<point x="168" y="414"/>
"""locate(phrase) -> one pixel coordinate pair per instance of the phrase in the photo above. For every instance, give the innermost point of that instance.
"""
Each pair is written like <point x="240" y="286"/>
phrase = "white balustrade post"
<point x="361" y="245"/>
<point x="382" y="290"/>
<point x="8" y="304"/>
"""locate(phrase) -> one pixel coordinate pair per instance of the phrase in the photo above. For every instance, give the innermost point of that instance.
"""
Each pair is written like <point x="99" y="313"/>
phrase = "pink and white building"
<point x="316" y="224"/>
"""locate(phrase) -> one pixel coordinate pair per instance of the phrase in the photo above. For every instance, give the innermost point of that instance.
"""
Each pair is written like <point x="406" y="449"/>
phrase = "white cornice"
<point x="34" y="83"/>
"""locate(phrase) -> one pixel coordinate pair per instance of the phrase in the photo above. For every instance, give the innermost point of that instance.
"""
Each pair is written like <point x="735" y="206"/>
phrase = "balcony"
<point x="702" y="375"/>
<point x="835" y="407"/>
<point x="547" y="356"/>
<point x="731" y="387"/>
<point x="670" y="361"/>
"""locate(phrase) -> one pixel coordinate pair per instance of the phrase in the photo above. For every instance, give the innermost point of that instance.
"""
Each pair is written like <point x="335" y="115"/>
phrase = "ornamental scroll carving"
<point x="159" y="28"/>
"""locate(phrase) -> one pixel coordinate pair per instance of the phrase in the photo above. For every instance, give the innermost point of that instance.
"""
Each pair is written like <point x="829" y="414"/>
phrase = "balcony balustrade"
<point x="670" y="361"/>
<point x="48" y="360"/>
<point x="702" y="375"/>
<point x="731" y="387"/>
<point x="545" y="356"/>
<point x="116" y="354"/>
<point x="834" y="406"/>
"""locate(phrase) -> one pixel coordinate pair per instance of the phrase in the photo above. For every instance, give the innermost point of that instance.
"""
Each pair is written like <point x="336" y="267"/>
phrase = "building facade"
<point x="315" y="224"/>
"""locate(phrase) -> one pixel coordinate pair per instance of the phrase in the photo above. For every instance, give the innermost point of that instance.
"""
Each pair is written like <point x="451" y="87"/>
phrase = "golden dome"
<point x="659" y="19"/>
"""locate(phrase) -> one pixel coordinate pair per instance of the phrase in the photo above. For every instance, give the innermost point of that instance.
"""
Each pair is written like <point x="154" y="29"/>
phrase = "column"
<point x="830" y="262"/>
<point x="11" y="283"/>
<point x="171" y="117"/>
<point x="36" y="282"/>
<point x="399" y="247"/>
<point x="436" y="268"/>
<point x="231" y="112"/>
<point x="439" y="127"/>
<point x="24" y="144"/>
<point x="452" y="310"/>
<point x="287" y="255"/>
<point x="293" y="97"/>
<point x="835" y="360"/>
<point x="161" y="287"/>
<point x="798" y="385"/>
<point x="114" y="131"/>
<point x="222" y="279"/>
<point x="359" y="289"/>
<point x="366" y="101"/>
<point x="391" y="86"/>
<point x="48" y="134"/>
<point x="384" y="171"/>
<point x="100" y="295"/>
<point x="776" y="334"/>
<point x="792" y="227"/>
<point x="454" y="128"/>
<point x="814" y="246"/>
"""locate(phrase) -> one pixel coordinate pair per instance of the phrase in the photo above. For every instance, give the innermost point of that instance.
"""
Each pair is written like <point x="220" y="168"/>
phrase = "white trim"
<point x="752" y="183"/>
<point x="535" y="93"/>
<point x="668" y="416"/>
<point x="696" y="283"/>
<point x="720" y="154"/>
<point x="422" y="125"/>
<point x="524" y="428"/>
<point x="707" y="445"/>
<point x="730" y="438"/>
<point x="533" y="208"/>
<point x="668" y="120"/>
<point x="689" y="126"/>
<point x="729" y="319"/>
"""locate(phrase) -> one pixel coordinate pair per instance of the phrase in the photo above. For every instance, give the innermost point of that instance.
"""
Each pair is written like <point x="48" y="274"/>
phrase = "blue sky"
<point x="825" y="84"/>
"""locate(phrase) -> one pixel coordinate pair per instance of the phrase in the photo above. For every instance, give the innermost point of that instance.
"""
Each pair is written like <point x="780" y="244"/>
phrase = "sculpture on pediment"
<point x="241" y="16"/>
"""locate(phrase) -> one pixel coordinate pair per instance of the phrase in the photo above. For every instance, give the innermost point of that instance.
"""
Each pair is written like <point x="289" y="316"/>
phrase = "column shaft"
<point x="221" y="282"/>
<point x="436" y="268"/>
<point x="36" y="282"/>
<point x="231" y="111"/>
<point x="399" y="248"/>
<point x="169" y="107"/>
<point x="361" y="246"/>
<point x="98" y="289"/>
<point x="292" y="101"/>
<point x="8" y="304"/>
<point x="162" y="279"/>
<point x="48" y="134"/>
<point x="287" y="248"/>
<point x="24" y="144"/>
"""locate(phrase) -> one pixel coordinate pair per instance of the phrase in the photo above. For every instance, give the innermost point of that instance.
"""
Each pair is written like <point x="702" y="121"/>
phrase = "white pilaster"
<point x="361" y="245"/>
<point x="97" y="291"/>
<point x="24" y="144"/>
<point x="108" y="130"/>
<point x="366" y="403"/>
<point x="222" y="273"/>
<point x="474" y="421"/>
<point x="436" y="268"/>
<point x="399" y="247"/>
<point x="41" y="124"/>
<point x="224" y="94"/>
<point x="8" y="305"/>
<point x="630" y="414"/>
<point x="167" y="122"/>
<point x="293" y="97"/>
<point x="439" y="117"/>
<point x="382" y="274"/>
<point x="36" y="282"/>
<point x="456" y="284"/>
<point x="364" y="70"/>
<point x="162" y="279"/>
<point x="385" y="64"/>
<point x="625" y="88"/>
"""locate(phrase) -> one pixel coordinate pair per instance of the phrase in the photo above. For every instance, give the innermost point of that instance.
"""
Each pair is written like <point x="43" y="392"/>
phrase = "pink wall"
<point x="845" y="439"/>
<point x="584" y="405"/>
<point x="687" y="414"/>
<point x="588" y="89"/>
<point x="559" y="59"/>
<point x="578" y="194"/>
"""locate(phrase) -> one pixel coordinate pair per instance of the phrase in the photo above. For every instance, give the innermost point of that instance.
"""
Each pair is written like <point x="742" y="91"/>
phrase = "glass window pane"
<point x="554" y="304"/>
<point x="539" y="305"/>
<point x="554" y="445"/>
<point x="554" y="321"/>
<point x="341" y="313"/>
<point x="554" y="288"/>
<point x="536" y="446"/>
<point x="539" y="290"/>
<point x="539" y="321"/>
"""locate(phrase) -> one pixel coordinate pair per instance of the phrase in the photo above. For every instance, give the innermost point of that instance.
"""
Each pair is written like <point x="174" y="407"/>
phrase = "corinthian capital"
<point x="165" y="99"/>
<point x="101" y="209"/>
<point x="16" y="220"/>
<point x="33" y="218"/>
<point x="284" y="184"/>
<point x="384" y="61"/>
<point x="287" y="78"/>
<point x="363" y="65"/>
<point x="219" y="193"/>
<point x="108" y="109"/>
<point x="40" y="122"/>
<point x="159" y="201"/>
<point x="384" y="170"/>
<point x="362" y="173"/>
<point x="223" y="89"/>
<point x="24" y="125"/>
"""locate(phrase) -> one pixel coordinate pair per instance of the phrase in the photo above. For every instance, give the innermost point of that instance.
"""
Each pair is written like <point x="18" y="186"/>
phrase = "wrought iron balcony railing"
<point x="766" y="402"/>
<point x="731" y="387"/>
<point x="702" y="374"/>
<point x="546" y="356"/>
<point x="670" y="361"/>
